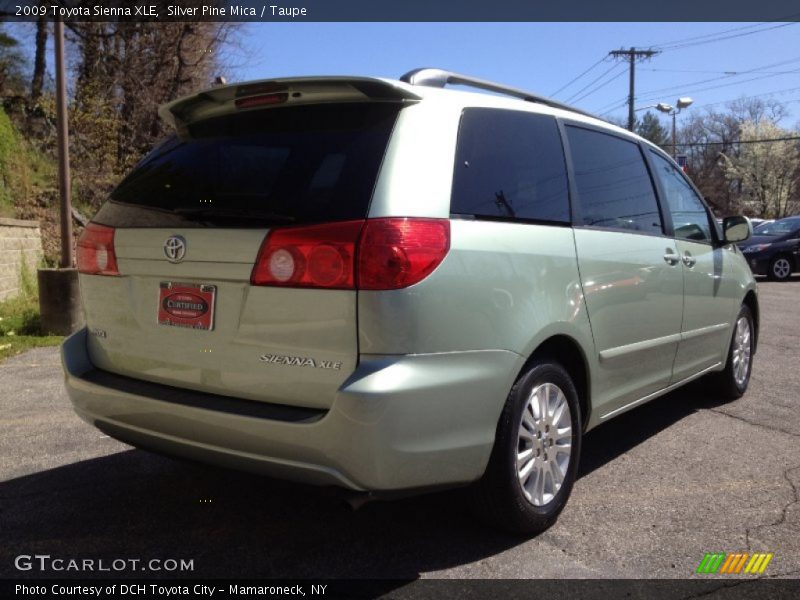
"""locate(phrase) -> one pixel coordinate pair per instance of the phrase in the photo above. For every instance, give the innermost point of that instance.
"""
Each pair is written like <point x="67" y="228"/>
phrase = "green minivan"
<point x="392" y="286"/>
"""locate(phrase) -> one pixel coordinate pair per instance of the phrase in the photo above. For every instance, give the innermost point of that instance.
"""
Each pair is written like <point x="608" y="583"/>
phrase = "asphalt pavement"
<point x="658" y="488"/>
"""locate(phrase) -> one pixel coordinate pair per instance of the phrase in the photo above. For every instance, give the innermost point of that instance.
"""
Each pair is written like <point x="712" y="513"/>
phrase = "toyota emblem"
<point x="175" y="248"/>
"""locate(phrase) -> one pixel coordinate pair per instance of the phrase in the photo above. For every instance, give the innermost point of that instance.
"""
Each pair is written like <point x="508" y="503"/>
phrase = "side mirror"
<point x="736" y="229"/>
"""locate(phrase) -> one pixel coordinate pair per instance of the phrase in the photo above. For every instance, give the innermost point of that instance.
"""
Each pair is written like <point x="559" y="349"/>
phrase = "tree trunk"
<point x="39" y="61"/>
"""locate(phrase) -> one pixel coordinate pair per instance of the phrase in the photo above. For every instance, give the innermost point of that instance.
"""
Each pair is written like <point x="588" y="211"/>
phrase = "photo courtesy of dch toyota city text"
<point x="414" y="300"/>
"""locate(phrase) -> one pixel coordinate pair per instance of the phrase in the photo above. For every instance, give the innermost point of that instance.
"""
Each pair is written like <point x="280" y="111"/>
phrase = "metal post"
<point x="674" y="139"/>
<point x="631" y="88"/>
<point x="63" y="150"/>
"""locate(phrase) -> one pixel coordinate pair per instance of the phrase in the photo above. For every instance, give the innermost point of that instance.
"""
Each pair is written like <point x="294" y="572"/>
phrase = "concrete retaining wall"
<point x="20" y="242"/>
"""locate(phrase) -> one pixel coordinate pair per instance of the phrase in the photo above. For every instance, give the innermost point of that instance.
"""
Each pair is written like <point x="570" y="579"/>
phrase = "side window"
<point x="613" y="183"/>
<point x="510" y="164"/>
<point x="689" y="216"/>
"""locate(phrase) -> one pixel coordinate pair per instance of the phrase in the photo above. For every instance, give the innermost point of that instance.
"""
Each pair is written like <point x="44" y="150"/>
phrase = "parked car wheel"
<point x="733" y="381"/>
<point x="780" y="268"/>
<point x="535" y="456"/>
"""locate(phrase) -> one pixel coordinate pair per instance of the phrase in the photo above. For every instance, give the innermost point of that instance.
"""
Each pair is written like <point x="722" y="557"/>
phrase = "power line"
<point x="592" y="82"/>
<point x="687" y="43"/>
<point x="714" y="87"/>
<point x="709" y="35"/>
<point x="619" y="103"/>
<point x="686" y="84"/>
<point x="731" y="73"/>
<point x="570" y="82"/>
<point x="615" y="104"/>
<point x="601" y="86"/>
<point x="611" y="110"/>
<point x="696" y="106"/>
<point x="784" y="91"/>
<point x="764" y="141"/>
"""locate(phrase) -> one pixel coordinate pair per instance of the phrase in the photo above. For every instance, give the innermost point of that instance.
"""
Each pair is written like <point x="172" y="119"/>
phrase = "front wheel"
<point x="733" y="381"/>
<point x="535" y="457"/>
<point x="780" y="268"/>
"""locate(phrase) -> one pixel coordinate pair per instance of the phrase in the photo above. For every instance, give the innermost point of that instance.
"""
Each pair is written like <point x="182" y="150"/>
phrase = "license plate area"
<point x="188" y="305"/>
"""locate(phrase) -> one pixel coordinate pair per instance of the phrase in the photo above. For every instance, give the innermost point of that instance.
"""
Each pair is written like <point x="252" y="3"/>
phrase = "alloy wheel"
<point x="742" y="351"/>
<point x="544" y="445"/>
<point x="781" y="268"/>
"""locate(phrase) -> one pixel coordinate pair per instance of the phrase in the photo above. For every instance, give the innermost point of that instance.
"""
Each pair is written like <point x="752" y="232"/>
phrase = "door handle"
<point x="689" y="260"/>
<point x="671" y="258"/>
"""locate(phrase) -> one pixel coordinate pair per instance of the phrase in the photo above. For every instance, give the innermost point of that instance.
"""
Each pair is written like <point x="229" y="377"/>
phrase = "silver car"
<point x="393" y="286"/>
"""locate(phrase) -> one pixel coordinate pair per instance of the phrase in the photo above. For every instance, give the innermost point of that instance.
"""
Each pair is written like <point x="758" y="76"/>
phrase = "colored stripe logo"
<point x="735" y="563"/>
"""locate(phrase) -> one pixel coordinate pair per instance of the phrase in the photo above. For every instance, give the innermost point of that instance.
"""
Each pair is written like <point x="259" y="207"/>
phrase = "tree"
<point x="650" y="128"/>
<point x="12" y="65"/>
<point x="766" y="171"/>
<point x="126" y="70"/>
<point x="708" y="135"/>
<point x="39" y="61"/>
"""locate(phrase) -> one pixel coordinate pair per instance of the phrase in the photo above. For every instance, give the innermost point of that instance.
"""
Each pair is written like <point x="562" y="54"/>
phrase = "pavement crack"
<point x="782" y="519"/>
<point x="753" y="423"/>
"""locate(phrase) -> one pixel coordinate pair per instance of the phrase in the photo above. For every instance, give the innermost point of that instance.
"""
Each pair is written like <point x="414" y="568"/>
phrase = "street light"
<point x="670" y="110"/>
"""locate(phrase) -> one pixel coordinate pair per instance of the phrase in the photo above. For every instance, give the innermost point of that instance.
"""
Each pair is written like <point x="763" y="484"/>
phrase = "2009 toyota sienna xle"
<point x="389" y="286"/>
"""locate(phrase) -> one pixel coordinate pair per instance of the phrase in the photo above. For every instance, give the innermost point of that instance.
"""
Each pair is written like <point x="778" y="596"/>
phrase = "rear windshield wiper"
<point x="233" y="214"/>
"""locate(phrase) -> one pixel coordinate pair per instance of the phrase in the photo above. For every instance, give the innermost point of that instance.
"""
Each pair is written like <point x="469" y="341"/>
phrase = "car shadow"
<point x="134" y="504"/>
<point x="794" y="277"/>
<point x="608" y="441"/>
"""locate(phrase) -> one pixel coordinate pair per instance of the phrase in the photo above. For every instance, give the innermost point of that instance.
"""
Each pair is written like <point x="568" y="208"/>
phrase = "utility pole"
<point x="63" y="149"/>
<point x="59" y="292"/>
<point x="632" y="54"/>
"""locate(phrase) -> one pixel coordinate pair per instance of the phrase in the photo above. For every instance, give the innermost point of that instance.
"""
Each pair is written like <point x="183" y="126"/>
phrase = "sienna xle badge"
<point x="390" y="286"/>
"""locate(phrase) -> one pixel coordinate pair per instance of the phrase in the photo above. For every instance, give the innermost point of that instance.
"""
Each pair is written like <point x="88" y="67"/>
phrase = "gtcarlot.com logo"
<point x="45" y="562"/>
<point x="735" y="563"/>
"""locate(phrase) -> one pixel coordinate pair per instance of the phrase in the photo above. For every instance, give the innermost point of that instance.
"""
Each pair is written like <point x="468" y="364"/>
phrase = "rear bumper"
<point x="398" y="422"/>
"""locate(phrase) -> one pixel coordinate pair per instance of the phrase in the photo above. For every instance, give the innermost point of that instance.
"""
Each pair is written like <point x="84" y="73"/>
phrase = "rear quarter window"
<point x="510" y="165"/>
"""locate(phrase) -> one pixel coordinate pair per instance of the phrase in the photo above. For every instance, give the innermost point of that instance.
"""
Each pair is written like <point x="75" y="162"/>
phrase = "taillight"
<point x="96" y="254"/>
<point x="319" y="256"/>
<point x="376" y="254"/>
<point x="398" y="252"/>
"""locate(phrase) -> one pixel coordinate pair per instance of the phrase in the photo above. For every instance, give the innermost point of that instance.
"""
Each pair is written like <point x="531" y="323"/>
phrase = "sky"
<point x="710" y="62"/>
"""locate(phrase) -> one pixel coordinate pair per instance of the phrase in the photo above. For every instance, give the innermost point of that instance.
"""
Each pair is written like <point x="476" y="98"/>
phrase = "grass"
<point x="26" y="173"/>
<point x="20" y="326"/>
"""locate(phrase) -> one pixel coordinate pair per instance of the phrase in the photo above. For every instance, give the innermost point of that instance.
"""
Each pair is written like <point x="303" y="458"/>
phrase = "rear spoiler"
<point x="293" y="91"/>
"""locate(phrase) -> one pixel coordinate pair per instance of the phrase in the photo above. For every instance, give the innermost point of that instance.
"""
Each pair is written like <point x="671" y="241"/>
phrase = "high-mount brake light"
<point x="376" y="254"/>
<point x="263" y="100"/>
<point x="96" y="255"/>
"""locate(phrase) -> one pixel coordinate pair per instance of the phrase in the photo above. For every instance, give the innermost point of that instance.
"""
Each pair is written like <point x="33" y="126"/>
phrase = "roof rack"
<point x="432" y="77"/>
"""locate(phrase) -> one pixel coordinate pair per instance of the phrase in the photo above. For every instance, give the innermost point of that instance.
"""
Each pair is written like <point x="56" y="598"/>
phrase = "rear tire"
<point x="780" y="268"/>
<point x="733" y="381"/>
<point x="535" y="456"/>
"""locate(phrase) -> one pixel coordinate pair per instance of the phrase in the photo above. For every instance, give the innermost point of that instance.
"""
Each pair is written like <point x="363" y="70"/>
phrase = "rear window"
<point x="276" y="166"/>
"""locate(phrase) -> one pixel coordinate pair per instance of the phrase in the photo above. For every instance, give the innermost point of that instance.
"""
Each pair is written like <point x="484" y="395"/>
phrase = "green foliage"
<point x="15" y="174"/>
<point x="12" y="64"/>
<point x="650" y="128"/>
<point x="20" y="315"/>
<point x="9" y="148"/>
<point x="20" y="324"/>
<point x="25" y="170"/>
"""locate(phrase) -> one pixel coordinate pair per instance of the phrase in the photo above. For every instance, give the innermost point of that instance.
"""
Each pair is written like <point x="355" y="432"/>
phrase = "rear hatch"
<point x="187" y="227"/>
